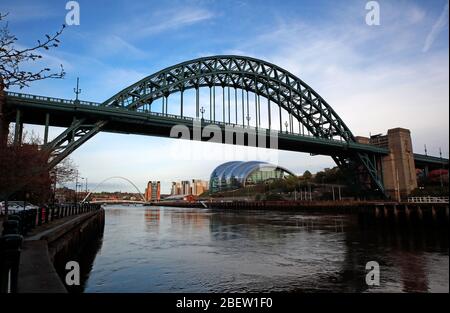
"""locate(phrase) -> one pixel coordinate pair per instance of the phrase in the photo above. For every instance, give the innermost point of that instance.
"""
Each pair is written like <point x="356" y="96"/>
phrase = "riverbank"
<point x="369" y="212"/>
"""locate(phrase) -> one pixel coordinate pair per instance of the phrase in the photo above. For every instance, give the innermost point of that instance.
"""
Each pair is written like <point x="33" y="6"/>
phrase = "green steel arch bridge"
<point x="240" y="90"/>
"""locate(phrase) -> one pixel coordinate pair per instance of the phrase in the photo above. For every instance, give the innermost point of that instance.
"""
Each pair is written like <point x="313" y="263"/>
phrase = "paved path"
<point x="45" y="229"/>
<point x="36" y="271"/>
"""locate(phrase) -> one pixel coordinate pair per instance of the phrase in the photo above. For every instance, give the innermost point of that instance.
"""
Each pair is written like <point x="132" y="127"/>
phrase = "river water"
<point x="156" y="249"/>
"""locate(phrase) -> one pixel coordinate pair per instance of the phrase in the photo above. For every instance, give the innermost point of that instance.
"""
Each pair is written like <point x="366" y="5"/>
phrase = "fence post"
<point x="10" y="246"/>
<point x="40" y="216"/>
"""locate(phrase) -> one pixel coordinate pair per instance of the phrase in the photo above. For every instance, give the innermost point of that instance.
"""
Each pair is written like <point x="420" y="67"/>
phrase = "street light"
<point x="442" y="168"/>
<point x="81" y="184"/>
<point x="76" y="185"/>
<point x="202" y="110"/>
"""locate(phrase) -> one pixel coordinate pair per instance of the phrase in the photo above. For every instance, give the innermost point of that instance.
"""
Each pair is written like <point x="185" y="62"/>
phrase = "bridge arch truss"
<point x="270" y="87"/>
<point x="245" y="75"/>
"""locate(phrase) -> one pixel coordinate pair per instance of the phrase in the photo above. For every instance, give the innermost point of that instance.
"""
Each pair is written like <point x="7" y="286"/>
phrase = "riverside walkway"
<point x="51" y="235"/>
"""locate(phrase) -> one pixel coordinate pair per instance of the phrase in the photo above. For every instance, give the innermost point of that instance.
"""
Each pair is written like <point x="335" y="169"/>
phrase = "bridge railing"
<point x="428" y="199"/>
<point x="18" y="224"/>
<point x="49" y="99"/>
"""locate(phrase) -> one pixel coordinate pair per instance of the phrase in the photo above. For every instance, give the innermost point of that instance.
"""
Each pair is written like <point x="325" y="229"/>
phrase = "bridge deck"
<point x="121" y="120"/>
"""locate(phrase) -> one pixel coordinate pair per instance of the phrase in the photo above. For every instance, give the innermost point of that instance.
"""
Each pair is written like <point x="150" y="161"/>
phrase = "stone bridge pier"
<point x="398" y="169"/>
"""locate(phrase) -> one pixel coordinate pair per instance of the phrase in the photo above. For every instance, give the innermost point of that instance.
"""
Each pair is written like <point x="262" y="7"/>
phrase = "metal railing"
<point x="428" y="199"/>
<point x="17" y="225"/>
<point x="49" y="99"/>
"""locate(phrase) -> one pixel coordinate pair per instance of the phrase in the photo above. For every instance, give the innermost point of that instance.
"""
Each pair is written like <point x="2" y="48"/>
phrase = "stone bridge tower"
<point x="398" y="168"/>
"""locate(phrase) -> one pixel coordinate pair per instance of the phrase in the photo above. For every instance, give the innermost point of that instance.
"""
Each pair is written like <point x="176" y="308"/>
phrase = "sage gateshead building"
<point x="237" y="174"/>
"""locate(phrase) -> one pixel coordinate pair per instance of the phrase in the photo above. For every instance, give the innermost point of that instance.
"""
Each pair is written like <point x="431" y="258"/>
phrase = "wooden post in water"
<point x="395" y="213"/>
<point x="419" y="213"/>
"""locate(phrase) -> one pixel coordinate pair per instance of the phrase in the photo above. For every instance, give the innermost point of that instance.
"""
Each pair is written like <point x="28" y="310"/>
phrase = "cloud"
<point x="166" y="20"/>
<point x="438" y="26"/>
<point x="23" y="12"/>
<point x="375" y="79"/>
<point x="114" y="44"/>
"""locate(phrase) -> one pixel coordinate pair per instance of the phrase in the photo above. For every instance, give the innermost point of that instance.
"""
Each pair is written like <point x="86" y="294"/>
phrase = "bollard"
<point x="10" y="247"/>
<point x="17" y="218"/>
<point x="46" y="214"/>
<point x="11" y="227"/>
<point x="52" y="208"/>
<point x="25" y="222"/>
<point x="35" y="216"/>
<point x="40" y="216"/>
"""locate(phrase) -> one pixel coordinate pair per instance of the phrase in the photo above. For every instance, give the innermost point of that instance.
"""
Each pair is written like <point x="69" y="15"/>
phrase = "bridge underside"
<point x="84" y="121"/>
<point x="430" y="163"/>
<point x="129" y="122"/>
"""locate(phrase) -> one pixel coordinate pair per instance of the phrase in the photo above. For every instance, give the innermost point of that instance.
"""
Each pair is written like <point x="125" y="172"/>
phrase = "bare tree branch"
<point x="12" y="59"/>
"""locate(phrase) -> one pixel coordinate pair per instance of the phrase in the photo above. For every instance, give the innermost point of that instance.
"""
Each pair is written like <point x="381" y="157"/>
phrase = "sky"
<point x="376" y="77"/>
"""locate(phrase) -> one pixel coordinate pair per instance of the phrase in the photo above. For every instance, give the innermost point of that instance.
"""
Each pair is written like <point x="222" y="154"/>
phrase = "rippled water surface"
<point x="155" y="249"/>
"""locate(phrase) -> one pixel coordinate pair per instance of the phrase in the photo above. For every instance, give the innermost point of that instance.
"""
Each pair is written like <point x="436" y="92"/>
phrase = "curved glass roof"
<point x="234" y="174"/>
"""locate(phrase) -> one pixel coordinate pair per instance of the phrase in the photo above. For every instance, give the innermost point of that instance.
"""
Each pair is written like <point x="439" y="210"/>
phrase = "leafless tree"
<point x="23" y="168"/>
<point x="65" y="172"/>
<point x="12" y="59"/>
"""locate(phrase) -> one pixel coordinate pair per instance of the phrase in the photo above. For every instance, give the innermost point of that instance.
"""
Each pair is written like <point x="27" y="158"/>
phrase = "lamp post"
<point x="442" y="168"/>
<point x="77" y="91"/>
<point x="202" y="110"/>
<point x="81" y="184"/>
<point x="248" y="120"/>
<point x="286" y="125"/>
<point x="76" y="186"/>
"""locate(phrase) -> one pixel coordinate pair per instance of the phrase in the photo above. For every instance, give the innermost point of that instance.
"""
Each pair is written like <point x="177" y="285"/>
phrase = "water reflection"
<point x="155" y="249"/>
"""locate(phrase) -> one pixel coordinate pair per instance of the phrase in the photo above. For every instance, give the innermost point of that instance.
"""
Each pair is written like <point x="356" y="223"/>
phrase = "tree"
<point x="24" y="168"/>
<point x="12" y="59"/>
<point x="24" y="173"/>
<point x="64" y="172"/>
<point x="12" y="62"/>
<point x="307" y="175"/>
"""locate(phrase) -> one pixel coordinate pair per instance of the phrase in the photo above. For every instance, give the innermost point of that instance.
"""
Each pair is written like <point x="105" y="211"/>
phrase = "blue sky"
<point x="375" y="77"/>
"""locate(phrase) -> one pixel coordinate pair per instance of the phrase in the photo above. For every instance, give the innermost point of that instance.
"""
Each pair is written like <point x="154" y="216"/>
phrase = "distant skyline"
<point x="375" y="77"/>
